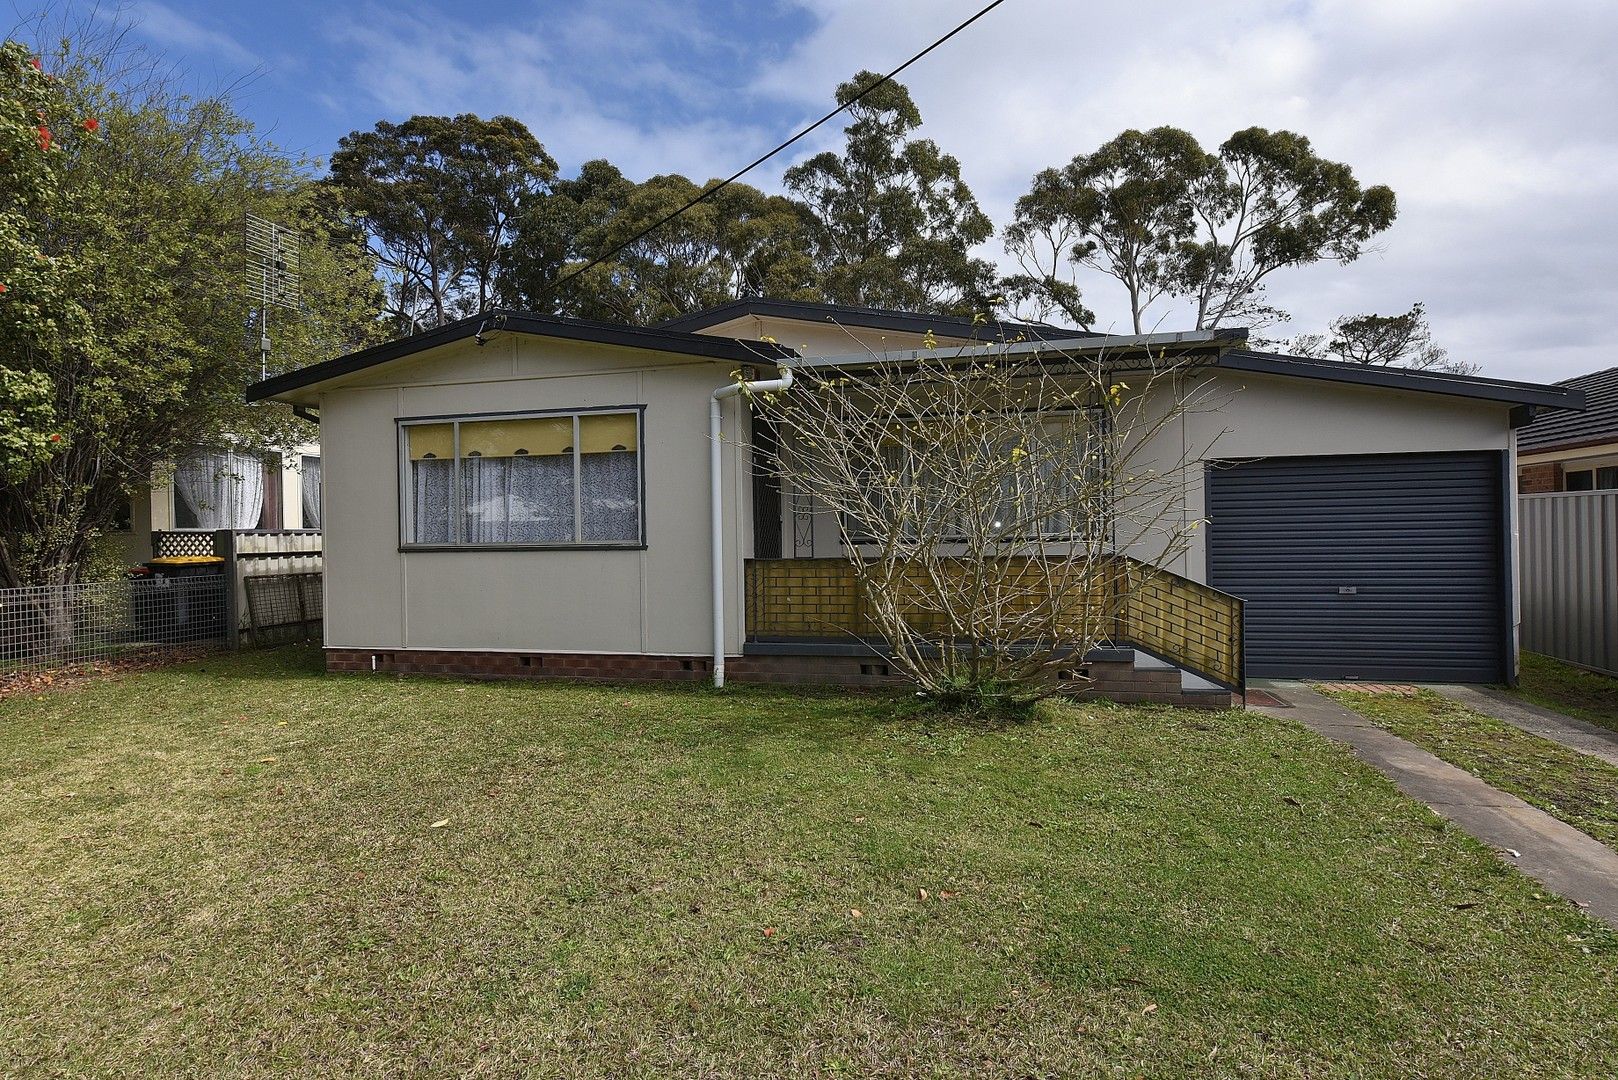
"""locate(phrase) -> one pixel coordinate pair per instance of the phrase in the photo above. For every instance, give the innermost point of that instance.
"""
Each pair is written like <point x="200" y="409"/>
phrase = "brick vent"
<point x="1112" y="680"/>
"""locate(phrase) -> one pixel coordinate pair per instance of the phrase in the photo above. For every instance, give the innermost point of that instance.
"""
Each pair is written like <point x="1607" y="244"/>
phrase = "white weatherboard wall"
<point x="653" y="601"/>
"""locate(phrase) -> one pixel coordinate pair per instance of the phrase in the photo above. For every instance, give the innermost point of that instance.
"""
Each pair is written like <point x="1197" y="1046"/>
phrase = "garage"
<point x="1386" y="567"/>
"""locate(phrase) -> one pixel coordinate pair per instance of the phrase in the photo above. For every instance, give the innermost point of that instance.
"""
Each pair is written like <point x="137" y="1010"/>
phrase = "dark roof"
<point x="871" y="319"/>
<point x="1437" y="382"/>
<point x="1597" y="424"/>
<point x="522" y="322"/>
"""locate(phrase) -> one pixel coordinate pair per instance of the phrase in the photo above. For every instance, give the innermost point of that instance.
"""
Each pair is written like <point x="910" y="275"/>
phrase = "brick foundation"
<point x="1114" y="680"/>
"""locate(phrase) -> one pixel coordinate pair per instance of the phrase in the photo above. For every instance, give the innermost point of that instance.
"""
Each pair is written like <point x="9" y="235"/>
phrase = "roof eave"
<point x="1468" y="386"/>
<point x="732" y="350"/>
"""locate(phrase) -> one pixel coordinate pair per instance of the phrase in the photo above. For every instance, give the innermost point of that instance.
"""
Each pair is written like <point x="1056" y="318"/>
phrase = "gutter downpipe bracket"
<point x="716" y="499"/>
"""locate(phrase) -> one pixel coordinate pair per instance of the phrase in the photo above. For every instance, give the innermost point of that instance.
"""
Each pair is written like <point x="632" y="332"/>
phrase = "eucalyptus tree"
<point x="1403" y="340"/>
<point x="736" y="242"/>
<point x="1171" y="221"/>
<point x="893" y="222"/>
<point x="439" y="197"/>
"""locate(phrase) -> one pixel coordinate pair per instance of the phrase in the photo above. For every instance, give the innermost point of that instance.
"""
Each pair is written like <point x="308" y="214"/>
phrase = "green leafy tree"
<point x="1166" y="219"/>
<point x="1125" y="211"/>
<point x="738" y="242"/>
<point x="1404" y="340"/>
<point x="123" y="324"/>
<point x="1276" y="204"/>
<point x="893" y="222"/>
<point x="439" y="197"/>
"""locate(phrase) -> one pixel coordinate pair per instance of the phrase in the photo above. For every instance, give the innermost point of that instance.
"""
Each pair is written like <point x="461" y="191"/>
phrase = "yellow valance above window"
<point x="536" y="436"/>
<point x="601" y="432"/>
<point x="431" y="441"/>
<point x="547" y="435"/>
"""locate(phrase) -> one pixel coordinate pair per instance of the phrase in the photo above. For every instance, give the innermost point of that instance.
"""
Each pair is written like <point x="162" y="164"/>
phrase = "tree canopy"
<point x="893" y="223"/>
<point x="739" y="242"/>
<point x="1167" y="219"/>
<point x="124" y="320"/>
<point x="439" y="196"/>
<point x="1403" y="340"/>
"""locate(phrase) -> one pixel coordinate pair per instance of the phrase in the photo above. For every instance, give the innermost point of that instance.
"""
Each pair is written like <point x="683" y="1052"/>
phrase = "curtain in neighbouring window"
<point x="310" y="470"/>
<point x="218" y="490"/>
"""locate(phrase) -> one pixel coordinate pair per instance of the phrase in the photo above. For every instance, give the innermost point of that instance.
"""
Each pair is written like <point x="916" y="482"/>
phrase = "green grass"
<point x="1552" y="684"/>
<point x="230" y="869"/>
<point x="1579" y="789"/>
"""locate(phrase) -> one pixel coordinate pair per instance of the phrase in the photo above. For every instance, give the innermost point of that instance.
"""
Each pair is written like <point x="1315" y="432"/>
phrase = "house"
<point x="522" y="495"/>
<point x="1573" y="451"/>
<point x="223" y="488"/>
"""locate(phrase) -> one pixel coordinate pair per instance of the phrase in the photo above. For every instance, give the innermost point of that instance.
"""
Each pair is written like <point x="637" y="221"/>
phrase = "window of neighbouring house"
<point x="1582" y="480"/>
<point x="537" y="480"/>
<point x="309" y="489"/>
<point x="219" y="489"/>
<point x="1607" y="478"/>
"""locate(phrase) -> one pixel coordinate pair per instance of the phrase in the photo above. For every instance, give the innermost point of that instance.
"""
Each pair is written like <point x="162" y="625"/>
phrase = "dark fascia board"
<point x="1470" y="386"/>
<point x="866" y="318"/>
<point x="522" y="322"/>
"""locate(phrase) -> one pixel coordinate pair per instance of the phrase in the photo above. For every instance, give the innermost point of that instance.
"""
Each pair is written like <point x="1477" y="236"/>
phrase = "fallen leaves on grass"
<point x="439" y="824"/>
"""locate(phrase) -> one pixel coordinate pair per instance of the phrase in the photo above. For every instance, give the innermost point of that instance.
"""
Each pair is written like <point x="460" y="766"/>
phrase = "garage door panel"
<point x="1414" y="537"/>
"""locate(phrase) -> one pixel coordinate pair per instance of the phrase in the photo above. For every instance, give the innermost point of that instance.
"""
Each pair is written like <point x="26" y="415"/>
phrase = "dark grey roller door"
<point x="1375" y="567"/>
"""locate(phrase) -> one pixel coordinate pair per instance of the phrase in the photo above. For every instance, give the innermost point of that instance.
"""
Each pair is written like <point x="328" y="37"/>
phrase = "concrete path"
<point x="1553" y="852"/>
<point x="1580" y="735"/>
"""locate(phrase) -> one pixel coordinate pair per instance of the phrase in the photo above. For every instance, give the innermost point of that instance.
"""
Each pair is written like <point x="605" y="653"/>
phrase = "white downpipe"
<point x="717" y="505"/>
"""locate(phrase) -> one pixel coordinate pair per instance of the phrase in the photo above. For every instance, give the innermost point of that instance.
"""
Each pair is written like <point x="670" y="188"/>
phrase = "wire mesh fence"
<point x="62" y="625"/>
<point x="283" y="607"/>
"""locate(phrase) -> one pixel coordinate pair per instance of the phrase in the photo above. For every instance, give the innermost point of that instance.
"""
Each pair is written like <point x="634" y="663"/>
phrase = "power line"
<point x="761" y="159"/>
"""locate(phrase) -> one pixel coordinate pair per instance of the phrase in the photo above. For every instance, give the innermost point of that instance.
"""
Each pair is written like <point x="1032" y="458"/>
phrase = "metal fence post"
<point x="224" y="545"/>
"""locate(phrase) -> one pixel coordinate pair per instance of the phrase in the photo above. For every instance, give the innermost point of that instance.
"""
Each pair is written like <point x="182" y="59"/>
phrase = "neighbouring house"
<point x="521" y="495"/>
<point x="1573" y="451"/>
<point x="224" y="488"/>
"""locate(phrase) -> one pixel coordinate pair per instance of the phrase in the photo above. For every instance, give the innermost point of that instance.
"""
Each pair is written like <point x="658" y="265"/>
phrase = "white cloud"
<point x="1495" y="122"/>
<point x="166" y="27"/>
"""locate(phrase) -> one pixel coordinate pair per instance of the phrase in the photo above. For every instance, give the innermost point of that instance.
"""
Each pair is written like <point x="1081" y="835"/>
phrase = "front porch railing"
<point x="1179" y="620"/>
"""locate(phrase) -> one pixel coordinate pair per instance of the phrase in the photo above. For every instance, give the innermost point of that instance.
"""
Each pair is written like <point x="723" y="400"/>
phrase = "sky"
<point x="1495" y="121"/>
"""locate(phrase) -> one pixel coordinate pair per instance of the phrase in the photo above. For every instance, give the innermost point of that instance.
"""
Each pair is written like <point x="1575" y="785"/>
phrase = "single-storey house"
<point x="522" y="495"/>
<point x="1573" y="451"/>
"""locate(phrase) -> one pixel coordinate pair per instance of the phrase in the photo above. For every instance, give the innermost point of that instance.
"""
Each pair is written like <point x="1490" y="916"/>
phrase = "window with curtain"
<point x="309" y="487"/>
<point x="547" y="480"/>
<point x="219" y="489"/>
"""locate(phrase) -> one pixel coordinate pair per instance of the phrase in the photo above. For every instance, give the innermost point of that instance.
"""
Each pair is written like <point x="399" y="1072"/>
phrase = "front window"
<point x="538" y="480"/>
<point x="1045" y="481"/>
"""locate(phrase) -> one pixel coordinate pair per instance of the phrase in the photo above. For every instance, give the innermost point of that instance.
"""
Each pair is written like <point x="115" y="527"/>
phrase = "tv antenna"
<point x="272" y="276"/>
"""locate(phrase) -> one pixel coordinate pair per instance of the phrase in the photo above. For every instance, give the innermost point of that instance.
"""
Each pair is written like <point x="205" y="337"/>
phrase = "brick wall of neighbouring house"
<point x="1537" y="479"/>
<point x="1113" y="680"/>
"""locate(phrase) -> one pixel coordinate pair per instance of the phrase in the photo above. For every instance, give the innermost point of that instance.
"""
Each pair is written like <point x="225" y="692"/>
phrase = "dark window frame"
<point x="403" y="425"/>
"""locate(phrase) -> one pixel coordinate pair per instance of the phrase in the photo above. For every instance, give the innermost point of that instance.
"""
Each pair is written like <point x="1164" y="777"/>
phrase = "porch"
<point x="812" y="610"/>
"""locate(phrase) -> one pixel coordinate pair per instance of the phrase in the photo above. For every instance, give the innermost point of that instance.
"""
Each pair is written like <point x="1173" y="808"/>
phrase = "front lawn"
<point x="1579" y="789"/>
<point x="246" y="868"/>
<point x="1549" y="683"/>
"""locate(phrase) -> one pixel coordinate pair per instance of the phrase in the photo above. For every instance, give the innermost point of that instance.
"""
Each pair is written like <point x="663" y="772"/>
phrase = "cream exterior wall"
<point x="1236" y="415"/>
<point x="655" y="600"/>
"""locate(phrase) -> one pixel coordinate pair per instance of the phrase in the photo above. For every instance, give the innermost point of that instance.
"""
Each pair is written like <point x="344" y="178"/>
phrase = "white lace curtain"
<point x="310" y="490"/>
<point x="219" y="490"/>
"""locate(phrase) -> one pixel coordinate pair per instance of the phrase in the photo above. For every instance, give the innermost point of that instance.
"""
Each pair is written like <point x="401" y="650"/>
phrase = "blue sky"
<point x="1495" y="121"/>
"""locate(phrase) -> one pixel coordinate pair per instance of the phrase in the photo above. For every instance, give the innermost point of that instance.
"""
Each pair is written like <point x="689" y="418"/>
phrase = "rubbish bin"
<point x="180" y="598"/>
